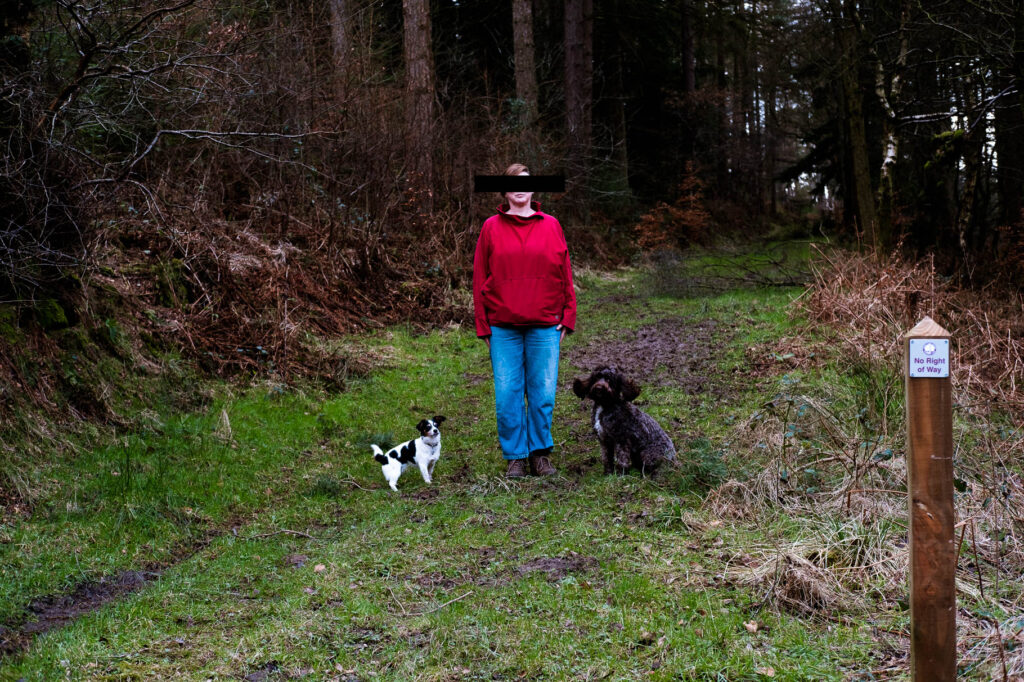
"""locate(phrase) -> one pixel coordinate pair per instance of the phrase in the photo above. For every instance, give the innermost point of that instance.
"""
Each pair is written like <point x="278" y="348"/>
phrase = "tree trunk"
<point x="739" y="165"/>
<point x="1010" y="151"/>
<point x="688" y="55"/>
<point x="419" y="101"/>
<point x="723" y="157"/>
<point x="974" y="135"/>
<point x="771" y="143"/>
<point x="853" y="103"/>
<point x="341" y="45"/>
<point x="860" y="166"/>
<point x="889" y="95"/>
<point x="578" y="94"/>
<point x="526" y="72"/>
<point x="1009" y="124"/>
<point x="1010" y="134"/>
<point x="619" y="130"/>
<point x="588" y="76"/>
<point x="752" y="97"/>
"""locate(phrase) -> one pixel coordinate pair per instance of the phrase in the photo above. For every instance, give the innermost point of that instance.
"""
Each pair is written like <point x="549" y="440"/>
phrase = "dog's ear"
<point x="438" y="419"/>
<point x="423" y="426"/>
<point x="629" y="390"/>
<point x="580" y="388"/>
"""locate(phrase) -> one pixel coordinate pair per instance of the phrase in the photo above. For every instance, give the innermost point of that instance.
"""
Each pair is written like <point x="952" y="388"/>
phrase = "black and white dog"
<point x="423" y="452"/>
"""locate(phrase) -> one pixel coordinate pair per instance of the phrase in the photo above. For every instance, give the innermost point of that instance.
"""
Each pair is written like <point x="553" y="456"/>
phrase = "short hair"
<point x="517" y="169"/>
<point x="514" y="169"/>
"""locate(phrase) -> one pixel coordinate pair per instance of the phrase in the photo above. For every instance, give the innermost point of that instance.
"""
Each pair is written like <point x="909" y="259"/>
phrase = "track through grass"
<point x="309" y="567"/>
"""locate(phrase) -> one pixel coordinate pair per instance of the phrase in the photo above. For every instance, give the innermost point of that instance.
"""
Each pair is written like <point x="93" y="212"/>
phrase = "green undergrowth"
<point x="278" y="552"/>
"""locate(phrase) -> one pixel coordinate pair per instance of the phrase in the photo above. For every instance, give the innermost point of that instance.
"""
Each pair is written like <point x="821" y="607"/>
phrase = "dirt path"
<point x="673" y="351"/>
<point x="51" y="612"/>
<point x="57" y="610"/>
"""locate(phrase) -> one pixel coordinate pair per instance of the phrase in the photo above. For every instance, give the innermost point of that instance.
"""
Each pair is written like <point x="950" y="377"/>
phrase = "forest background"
<point x="242" y="177"/>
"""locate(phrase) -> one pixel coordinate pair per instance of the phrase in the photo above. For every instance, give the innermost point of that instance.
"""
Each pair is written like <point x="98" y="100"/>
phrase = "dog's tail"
<point x="379" y="455"/>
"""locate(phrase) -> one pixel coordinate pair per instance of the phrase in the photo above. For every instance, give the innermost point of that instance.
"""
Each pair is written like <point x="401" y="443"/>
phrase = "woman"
<point x="524" y="304"/>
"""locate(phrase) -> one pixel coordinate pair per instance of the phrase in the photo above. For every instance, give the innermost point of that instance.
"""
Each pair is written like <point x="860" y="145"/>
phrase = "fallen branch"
<point x="283" y="531"/>
<point x="351" y="482"/>
<point x="438" y="608"/>
<point x="400" y="605"/>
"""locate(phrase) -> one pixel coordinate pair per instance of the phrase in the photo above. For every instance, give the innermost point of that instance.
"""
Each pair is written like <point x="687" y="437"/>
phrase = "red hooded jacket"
<point x="521" y="273"/>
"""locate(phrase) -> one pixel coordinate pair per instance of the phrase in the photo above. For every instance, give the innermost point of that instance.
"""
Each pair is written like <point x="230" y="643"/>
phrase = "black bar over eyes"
<point x="518" y="183"/>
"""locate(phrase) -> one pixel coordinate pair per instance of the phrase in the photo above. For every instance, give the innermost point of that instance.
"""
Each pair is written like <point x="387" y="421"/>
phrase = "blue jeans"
<point x="525" y="364"/>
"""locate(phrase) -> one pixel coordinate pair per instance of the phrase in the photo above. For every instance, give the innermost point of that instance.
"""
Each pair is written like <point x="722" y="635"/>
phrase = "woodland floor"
<point x="257" y="540"/>
<point x="671" y="351"/>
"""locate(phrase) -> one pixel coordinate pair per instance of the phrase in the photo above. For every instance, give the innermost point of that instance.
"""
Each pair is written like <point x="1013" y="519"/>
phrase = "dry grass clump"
<point x="993" y="646"/>
<point x="873" y="304"/>
<point x="840" y="565"/>
<point x="837" y="461"/>
<point x="735" y="500"/>
<point x="852" y="555"/>
<point x="791" y="581"/>
<point x="812" y="460"/>
<point x="848" y="486"/>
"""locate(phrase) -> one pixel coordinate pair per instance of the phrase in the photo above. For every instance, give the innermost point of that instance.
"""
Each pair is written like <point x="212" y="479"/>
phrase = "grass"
<point x="282" y="554"/>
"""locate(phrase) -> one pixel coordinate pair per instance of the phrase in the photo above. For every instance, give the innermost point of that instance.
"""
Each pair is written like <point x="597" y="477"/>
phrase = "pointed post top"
<point x="927" y="328"/>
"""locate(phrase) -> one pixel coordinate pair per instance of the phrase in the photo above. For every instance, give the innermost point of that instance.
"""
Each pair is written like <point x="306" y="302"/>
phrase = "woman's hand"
<point x="564" y="332"/>
<point x="487" y="340"/>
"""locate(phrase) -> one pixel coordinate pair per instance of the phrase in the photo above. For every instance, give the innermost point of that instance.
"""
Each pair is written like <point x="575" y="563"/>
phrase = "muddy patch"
<point x="366" y="638"/>
<point x="55" y="611"/>
<point x="557" y="568"/>
<point x="674" y="351"/>
<point x="52" y="612"/>
<point x="12" y="508"/>
<point x="263" y="672"/>
<point x="462" y="474"/>
<point x="578" y="469"/>
<point x="436" y="580"/>
<point x="474" y="379"/>
<point x="424" y="494"/>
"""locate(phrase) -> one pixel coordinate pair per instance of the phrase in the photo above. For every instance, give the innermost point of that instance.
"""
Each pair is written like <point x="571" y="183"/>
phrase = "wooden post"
<point x="930" y="483"/>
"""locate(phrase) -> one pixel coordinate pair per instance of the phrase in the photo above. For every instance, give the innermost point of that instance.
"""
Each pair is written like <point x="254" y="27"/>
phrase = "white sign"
<point x="929" y="358"/>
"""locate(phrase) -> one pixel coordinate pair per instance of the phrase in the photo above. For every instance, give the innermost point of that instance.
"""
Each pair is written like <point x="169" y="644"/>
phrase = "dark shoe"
<point x="540" y="465"/>
<point x="516" y="468"/>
